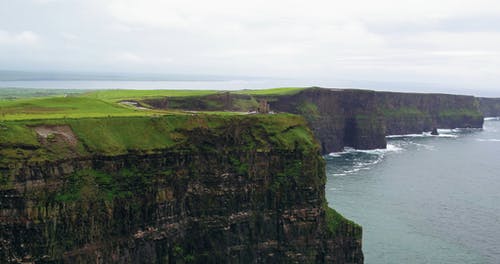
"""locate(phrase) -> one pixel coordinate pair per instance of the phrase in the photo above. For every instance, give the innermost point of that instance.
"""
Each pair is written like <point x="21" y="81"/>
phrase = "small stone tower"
<point x="263" y="107"/>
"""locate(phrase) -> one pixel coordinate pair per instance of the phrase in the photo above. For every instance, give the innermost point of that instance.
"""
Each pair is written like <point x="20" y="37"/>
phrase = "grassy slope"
<point x="63" y="107"/>
<point x="120" y="135"/>
<point x="18" y="93"/>
<point x="119" y="95"/>
<point x="103" y="103"/>
<point x="107" y="127"/>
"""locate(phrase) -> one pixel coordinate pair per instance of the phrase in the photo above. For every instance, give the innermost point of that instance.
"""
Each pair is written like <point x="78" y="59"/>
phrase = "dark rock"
<point x="490" y="106"/>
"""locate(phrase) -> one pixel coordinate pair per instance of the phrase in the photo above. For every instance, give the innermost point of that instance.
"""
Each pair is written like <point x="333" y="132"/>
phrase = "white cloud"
<point x="127" y="57"/>
<point x="45" y="1"/>
<point x="69" y="36"/>
<point x="21" y="38"/>
<point x="414" y="40"/>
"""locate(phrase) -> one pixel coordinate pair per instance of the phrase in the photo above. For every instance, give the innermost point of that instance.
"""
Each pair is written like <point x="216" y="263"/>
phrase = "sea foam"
<point x="488" y="140"/>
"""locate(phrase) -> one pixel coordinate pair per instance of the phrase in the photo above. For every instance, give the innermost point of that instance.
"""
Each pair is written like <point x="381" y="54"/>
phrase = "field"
<point x="19" y="93"/>
<point x="64" y="107"/>
<point x="28" y="104"/>
<point x="120" y="95"/>
<point x="103" y="125"/>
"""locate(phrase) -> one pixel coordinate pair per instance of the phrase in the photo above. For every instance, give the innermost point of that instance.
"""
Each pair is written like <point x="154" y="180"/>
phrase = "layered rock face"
<point x="407" y="113"/>
<point x="236" y="192"/>
<point x="338" y="118"/>
<point x="490" y="106"/>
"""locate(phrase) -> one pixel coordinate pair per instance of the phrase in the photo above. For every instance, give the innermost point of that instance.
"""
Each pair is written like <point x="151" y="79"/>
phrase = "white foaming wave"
<point x="427" y="147"/>
<point x="378" y="154"/>
<point x="488" y="140"/>
<point x="393" y="148"/>
<point x="446" y="133"/>
<point x="491" y="118"/>
<point x="490" y="129"/>
<point x="347" y="150"/>
<point x="446" y="136"/>
<point x="405" y="135"/>
<point x="389" y="148"/>
<point x="359" y="166"/>
<point x="443" y="130"/>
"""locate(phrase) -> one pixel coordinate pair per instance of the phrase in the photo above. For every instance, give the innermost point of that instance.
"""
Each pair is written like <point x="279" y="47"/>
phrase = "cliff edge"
<point x="168" y="189"/>
<point x="346" y="117"/>
<point x="490" y="106"/>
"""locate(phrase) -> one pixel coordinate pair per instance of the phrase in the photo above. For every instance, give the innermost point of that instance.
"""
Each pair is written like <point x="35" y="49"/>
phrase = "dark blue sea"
<point x="426" y="199"/>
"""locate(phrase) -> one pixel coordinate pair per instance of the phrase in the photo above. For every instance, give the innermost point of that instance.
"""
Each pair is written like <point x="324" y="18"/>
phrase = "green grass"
<point x="17" y="134"/>
<point x="309" y="110"/>
<point x="110" y="128"/>
<point x="334" y="221"/>
<point x="272" y="91"/>
<point x="64" y="107"/>
<point x="92" y="185"/>
<point x="119" y="95"/>
<point x="452" y="113"/>
<point x="18" y="93"/>
<point x="399" y="112"/>
<point x="246" y="104"/>
<point x="120" y="135"/>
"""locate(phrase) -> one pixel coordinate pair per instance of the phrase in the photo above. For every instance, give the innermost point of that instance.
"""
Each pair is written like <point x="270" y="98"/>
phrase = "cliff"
<point x="345" y="117"/>
<point x="169" y="189"/>
<point x="407" y="113"/>
<point x="490" y="107"/>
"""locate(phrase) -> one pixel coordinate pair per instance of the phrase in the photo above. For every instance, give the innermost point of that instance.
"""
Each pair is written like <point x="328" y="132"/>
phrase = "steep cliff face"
<point x="490" y="106"/>
<point x="361" y="119"/>
<point x="338" y="118"/>
<point x="355" y="118"/>
<point x="413" y="113"/>
<point x="242" y="189"/>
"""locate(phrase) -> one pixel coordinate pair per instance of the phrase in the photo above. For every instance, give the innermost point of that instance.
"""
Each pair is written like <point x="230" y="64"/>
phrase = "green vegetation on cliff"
<point x="309" y="111"/>
<point x="336" y="222"/>
<point x="403" y="112"/>
<point x="459" y="113"/>
<point x="120" y="135"/>
<point x="95" y="185"/>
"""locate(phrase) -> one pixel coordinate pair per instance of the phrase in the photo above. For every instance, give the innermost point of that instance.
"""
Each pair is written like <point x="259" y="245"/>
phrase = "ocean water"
<point x="234" y="84"/>
<point x="426" y="199"/>
<point x="145" y="85"/>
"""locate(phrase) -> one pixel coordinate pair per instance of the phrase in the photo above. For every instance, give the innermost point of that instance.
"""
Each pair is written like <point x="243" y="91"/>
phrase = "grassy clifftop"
<point x="57" y="138"/>
<point x="59" y="126"/>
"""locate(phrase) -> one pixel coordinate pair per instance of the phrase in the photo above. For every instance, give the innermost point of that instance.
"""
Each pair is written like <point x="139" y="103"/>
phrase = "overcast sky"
<point x="445" y="42"/>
